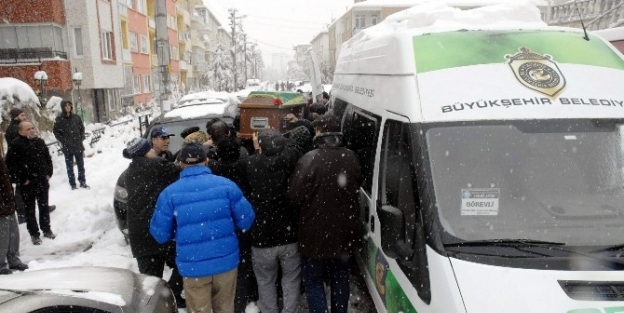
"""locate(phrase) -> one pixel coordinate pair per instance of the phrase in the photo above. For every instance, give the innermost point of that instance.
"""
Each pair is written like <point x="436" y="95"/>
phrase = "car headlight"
<point x="121" y="194"/>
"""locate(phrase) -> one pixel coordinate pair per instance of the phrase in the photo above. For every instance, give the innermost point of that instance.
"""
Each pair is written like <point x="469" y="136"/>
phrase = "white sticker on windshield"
<point x="480" y="201"/>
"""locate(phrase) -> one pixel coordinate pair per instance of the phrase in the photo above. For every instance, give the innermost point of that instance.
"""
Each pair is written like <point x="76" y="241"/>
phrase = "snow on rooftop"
<point x="439" y="16"/>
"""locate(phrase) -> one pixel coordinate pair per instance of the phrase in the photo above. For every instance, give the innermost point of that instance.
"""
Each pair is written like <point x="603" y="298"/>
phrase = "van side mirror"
<point x="392" y="226"/>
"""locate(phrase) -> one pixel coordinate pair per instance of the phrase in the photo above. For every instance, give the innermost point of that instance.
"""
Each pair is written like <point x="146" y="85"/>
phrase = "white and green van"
<point x="493" y="165"/>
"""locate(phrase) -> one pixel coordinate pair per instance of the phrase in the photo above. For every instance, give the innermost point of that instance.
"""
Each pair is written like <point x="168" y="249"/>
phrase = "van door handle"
<point x="372" y="222"/>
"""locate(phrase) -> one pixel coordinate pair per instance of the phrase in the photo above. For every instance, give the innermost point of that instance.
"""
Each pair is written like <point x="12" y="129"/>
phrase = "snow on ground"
<point x="84" y="220"/>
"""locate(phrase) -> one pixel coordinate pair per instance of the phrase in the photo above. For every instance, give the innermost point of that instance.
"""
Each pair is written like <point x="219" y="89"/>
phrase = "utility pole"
<point x="233" y="21"/>
<point x="163" y="53"/>
<point x="245" y="53"/>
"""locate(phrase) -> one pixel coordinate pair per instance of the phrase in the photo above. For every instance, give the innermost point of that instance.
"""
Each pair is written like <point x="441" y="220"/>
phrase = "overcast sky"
<point x="278" y="25"/>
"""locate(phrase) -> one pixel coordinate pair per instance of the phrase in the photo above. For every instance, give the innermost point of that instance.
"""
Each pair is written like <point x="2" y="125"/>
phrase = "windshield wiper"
<point x="608" y="248"/>
<point x="503" y="242"/>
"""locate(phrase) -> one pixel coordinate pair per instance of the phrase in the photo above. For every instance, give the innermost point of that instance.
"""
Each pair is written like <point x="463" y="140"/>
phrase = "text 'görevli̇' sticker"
<point x="480" y="201"/>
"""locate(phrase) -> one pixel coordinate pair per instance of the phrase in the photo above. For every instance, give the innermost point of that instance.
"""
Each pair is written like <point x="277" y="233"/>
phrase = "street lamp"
<point x="41" y="77"/>
<point x="77" y="79"/>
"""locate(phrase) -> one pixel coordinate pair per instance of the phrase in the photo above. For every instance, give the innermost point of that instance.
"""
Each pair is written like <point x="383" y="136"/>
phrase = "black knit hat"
<point x="137" y="147"/>
<point x="301" y="135"/>
<point x="15" y="112"/>
<point x="188" y="131"/>
<point x="228" y="149"/>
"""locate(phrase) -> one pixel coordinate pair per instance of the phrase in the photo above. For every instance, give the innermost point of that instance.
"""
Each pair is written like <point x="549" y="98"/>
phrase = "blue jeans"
<point x="313" y="276"/>
<point x="69" y="163"/>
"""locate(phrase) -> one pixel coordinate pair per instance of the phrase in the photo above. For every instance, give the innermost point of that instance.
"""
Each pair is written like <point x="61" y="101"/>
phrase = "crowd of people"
<point x="28" y="166"/>
<point x="235" y="225"/>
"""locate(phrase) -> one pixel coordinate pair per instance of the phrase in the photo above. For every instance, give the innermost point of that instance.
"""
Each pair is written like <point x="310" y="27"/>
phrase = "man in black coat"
<point x="228" y="163"/>
<point x="274" y="232"/>
<point x="70" y="132"/>
<point x="30" y="165"/>
<point x="146" y="176"/>
<point x="12" y="131"/>
<point x="325" y="185"/>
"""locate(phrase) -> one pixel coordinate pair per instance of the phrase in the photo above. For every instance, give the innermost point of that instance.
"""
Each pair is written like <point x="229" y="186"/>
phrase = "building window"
<point x="144" y="46"/>
<point x="147" y="83"/>
<point x="78" y="49"/>
<point x="374" y="19"/>
<point x="133" y="42"/>
<point x="141" y="7"/>
<point x="360" y="21"/>
<point x="174" y="53"/>
<point x="136" y="84"/>
<point x="130" y="3"/>
<point x="107" y="45"/>
<point x="173" y="22"/>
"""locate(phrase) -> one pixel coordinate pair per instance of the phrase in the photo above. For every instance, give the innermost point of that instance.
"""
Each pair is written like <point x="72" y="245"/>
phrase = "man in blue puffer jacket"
<point x="202" y="211"/>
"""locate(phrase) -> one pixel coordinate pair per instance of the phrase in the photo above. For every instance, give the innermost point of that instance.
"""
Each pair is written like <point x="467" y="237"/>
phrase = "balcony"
<point x="185" y="36"/>
<point x="126" y="56"/>
<point x="154" y="60"/>
<point x="151" y="23"/>
<point x="180" y="7"/>
<point x="597" y="14"/>
<point x="123" y="9"/>
<point x="202" y="68"/>
<point x="183" y="65"/>
<point x="29" y="55"/>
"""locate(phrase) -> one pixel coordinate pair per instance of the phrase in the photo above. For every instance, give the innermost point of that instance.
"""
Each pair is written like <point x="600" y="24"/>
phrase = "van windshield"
<point x="559" y="181"/>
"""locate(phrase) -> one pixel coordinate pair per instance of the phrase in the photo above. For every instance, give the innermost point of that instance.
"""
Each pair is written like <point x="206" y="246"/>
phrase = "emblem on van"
<point x="536" y="71"/>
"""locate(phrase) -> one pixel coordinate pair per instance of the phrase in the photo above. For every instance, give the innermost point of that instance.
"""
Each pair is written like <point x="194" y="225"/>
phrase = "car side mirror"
<point x="392" y="225"/>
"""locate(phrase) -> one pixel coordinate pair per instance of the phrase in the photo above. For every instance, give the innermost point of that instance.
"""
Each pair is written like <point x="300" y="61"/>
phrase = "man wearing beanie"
<point x="12" y="132"/>
<point x="70" y="132"/>
<point x="274" y="235"/>
<point x="202" y="211"/>
<point x="146" y="176"/>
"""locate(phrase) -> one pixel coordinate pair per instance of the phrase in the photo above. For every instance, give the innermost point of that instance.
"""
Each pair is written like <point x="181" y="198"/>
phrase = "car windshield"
<point x="558" y="181"/>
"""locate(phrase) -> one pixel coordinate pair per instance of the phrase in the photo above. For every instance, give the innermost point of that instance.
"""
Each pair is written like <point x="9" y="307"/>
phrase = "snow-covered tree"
<point x="327" y="74"/>
<point x="221" y="69"/>
<point x="296" y="72"/>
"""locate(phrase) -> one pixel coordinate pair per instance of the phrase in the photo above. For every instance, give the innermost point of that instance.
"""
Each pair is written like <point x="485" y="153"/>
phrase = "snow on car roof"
<point x="197" y="111"/>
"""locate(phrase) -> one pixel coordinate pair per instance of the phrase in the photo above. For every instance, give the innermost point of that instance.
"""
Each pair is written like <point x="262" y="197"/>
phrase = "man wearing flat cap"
<point x="202" y="211"/>
<point x="160" y="142"/>
<point x="146" y="176"/>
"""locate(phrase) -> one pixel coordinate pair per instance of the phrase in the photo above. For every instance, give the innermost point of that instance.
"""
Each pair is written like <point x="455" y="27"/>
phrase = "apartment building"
<point x="300" y="55"/>
<point x="62" y="37"/>
<point x="137" y="52"/>
<point x="187" y="76"/>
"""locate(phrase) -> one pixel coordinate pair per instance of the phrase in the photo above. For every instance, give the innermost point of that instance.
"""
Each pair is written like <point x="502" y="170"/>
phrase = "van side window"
<point x="361" y="138"/>
<point x="396" y="176"/>
<point x="401" y="224"/>
<point x="338" y="107"/>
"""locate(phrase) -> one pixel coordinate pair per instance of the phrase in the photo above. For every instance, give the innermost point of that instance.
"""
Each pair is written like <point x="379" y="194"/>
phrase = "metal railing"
<point x="611" y="18"/>
<point x="26" y="55"/>
<point x="598" y="13"/>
